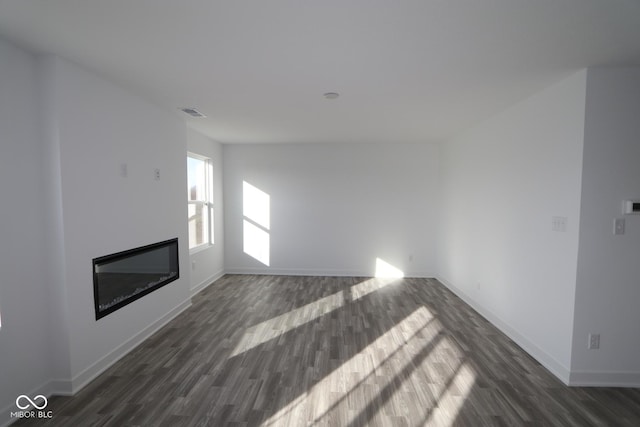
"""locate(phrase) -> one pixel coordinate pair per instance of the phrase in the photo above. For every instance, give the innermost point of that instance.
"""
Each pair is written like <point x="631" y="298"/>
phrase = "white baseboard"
<point x="555" y="367"/>
<point x="71" y="387"/>
<point x="203" y="285"/>
<point x="66" y="387"/>
<point x="604" y="379"/>
<point x="296" y="272"/>
<point x="312" y="272"/>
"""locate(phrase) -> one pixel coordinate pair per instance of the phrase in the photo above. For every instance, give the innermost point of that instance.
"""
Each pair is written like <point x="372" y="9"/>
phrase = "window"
<point x="200" y="201"/>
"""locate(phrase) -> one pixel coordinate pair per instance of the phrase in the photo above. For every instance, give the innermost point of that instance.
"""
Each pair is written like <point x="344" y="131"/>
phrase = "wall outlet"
<point x="594" y="341"/>
<point x="156" y="174"/>
<point x="618" y="226"/>
<point x="193" y="265"/>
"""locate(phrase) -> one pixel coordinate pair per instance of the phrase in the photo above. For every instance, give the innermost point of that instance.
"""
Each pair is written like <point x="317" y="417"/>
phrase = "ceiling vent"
<point x="193" y="113"/>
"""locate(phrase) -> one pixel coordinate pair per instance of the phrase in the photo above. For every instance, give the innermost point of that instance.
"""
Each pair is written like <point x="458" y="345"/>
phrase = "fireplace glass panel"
<point x="122" y="278"/>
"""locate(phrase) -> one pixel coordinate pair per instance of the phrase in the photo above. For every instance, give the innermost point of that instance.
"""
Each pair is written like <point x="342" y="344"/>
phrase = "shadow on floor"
<point x="298" y="351"/>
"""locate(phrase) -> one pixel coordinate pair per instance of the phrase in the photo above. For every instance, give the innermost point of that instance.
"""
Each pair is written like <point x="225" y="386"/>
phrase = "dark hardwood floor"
<point x="334" y="351"/>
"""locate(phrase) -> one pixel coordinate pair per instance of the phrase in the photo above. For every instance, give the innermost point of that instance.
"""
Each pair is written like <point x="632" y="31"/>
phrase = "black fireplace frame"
<point x="123" y="255"/>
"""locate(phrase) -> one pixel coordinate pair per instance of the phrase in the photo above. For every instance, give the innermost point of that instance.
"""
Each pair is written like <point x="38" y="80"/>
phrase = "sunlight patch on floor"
<point x="453" y="398"/>
<point x="280" y="325"/>
<point x="369" y="286"/>
<point x="353" y="385"/>
<point x="412" y="362"/>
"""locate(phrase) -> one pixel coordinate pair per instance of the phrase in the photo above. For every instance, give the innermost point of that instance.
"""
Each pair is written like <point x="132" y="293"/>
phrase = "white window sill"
<point x="200" y="248"/>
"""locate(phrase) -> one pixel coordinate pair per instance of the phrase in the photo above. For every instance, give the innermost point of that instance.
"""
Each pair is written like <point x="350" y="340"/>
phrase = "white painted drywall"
<point x="57" y="301"/>
<point x="100" y="128"/>
<point x="335" y="208"/>
<point x="608" y="279"/>
<point x="502" y="182"/>
<point x="209" y="262"/>
<point x="24" y="365"/>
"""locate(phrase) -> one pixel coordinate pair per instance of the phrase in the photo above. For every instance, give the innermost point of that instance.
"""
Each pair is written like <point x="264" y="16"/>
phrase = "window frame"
<point x="207" y="203"/>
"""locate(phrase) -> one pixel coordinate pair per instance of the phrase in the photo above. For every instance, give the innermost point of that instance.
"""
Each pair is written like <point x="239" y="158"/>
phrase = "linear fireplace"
<point x="123" y="277"/>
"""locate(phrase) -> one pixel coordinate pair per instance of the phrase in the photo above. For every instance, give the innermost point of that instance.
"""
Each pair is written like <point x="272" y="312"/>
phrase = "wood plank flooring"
<point x="334" y="351"/>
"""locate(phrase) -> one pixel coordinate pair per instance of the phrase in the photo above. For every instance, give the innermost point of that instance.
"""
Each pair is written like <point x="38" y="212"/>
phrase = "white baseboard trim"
<point x="60" y="387"/>
<point x="205" y="283"/>
<point x="296" y="272"/>
<point x="71" y="387"/>
<point x="312" y="272"/>
<point x="555" y="367"/>
<point x="66" y="387"/>
<point x="604" y="379"/>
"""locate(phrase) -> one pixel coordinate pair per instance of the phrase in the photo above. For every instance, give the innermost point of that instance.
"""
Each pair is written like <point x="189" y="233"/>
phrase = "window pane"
<point x="200" y="198"/>
<point x="209" y="178"/>
<point x="211" y="225"/>
<point x="198" y="225"/>
<point x="196" y="179"/>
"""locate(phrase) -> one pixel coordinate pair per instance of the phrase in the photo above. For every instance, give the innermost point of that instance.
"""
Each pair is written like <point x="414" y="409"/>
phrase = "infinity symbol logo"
<point x="33" y="403"/>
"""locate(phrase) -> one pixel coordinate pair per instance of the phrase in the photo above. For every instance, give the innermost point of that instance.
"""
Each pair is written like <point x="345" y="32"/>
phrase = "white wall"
<point x="100" y="128"/>
<point x="65" y="135"/>
<point x="58" y="328"/>
<point x="23" y="335"/>
<point x="502" y="182"/>
<point x="209" y="262"/>
<point x="608" y="287"/>
<point x="336" y="208"/>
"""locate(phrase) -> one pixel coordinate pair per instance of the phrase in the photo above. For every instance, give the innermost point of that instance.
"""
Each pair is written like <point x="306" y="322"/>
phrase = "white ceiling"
<point x="407" y="71"/>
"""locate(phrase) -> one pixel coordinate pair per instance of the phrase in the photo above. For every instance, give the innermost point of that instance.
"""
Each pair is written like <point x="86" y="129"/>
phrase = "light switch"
<point x="618" y="226"/>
